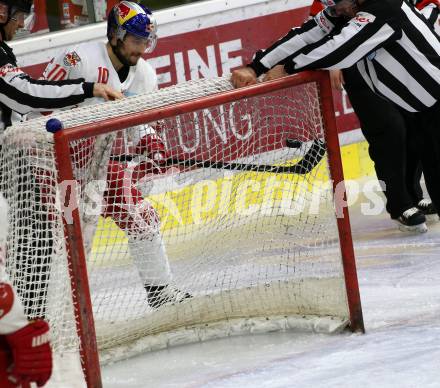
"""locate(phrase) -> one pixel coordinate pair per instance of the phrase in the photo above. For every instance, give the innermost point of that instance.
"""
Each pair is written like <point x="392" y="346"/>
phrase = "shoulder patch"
<point x="323" y="22"/>
<point x="71" y="59"/>
<point x="363" y="18"/>
<point x="9" y="68"/>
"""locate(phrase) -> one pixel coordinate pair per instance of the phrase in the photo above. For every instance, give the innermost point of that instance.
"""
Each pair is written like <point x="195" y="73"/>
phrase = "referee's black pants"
<point x="424" y="128"/>
<point x="391" y="147"/>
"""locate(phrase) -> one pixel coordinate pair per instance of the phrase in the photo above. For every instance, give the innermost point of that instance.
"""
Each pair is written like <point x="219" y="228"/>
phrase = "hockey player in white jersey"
<point x="131" y="32"/>
<point x="25" y="352"/>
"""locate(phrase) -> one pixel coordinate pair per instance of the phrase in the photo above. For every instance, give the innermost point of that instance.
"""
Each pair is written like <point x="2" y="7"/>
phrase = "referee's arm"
<point x="294" y="41"/>
<point x="23" y="94"/>
<point x="361" y="36"/>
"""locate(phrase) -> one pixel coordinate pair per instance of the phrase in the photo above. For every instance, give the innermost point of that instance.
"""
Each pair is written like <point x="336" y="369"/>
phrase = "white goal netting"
<point x="234" y="233"/>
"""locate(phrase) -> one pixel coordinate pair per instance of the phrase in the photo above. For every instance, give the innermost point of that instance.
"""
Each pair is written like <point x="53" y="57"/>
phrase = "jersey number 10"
<point x="103" y="75"/>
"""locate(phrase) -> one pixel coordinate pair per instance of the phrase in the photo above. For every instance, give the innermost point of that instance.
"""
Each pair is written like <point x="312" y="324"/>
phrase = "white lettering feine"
<point x="206" y="64"/>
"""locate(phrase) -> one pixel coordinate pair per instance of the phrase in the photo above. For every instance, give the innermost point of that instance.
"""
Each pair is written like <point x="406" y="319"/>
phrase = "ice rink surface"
<point x="399" y="275"/>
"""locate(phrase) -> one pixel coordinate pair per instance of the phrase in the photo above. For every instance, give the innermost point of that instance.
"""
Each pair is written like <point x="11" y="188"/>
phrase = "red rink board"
<point x="217" y="50"/>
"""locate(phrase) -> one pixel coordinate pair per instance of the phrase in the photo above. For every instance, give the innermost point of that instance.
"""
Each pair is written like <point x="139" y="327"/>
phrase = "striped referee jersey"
<point x="395" y="48"/>
<point x="22" y="94"/>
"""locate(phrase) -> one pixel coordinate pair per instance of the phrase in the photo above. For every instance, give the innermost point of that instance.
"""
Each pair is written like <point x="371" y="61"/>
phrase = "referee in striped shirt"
<point x="383" y="125"/>
<point x="397" y="54"/>
<point x="21" y="94"/>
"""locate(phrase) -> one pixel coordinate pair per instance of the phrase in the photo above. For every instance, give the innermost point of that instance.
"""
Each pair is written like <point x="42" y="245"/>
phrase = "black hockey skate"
<point x="428" y="209"/>
<point x="412" y="220"/>
<point x="161" y="295"/>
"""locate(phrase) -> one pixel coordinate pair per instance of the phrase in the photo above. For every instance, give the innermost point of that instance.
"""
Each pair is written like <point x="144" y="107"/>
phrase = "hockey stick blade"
<point x="310" y="160"/>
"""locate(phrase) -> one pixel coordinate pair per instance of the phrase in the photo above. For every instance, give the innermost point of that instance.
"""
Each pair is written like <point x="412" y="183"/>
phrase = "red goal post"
<point x="263" y="103"/>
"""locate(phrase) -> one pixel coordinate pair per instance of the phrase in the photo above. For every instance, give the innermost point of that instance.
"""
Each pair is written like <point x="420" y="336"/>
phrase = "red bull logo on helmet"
<point x="123" y="10"/>
<point x="127" y="10"/>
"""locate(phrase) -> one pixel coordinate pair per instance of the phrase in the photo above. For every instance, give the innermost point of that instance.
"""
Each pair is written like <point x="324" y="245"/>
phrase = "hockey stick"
<point x="309" y="161"/>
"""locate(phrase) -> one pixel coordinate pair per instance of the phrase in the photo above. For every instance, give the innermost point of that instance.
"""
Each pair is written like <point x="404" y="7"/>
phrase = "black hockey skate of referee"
<point x="397" y="54"/>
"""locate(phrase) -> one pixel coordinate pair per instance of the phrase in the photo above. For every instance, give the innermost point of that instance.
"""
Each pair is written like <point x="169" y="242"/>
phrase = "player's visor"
<point x="152" y="38"/>
<point x="148" y="43"/>
<point x="151" y="41"/>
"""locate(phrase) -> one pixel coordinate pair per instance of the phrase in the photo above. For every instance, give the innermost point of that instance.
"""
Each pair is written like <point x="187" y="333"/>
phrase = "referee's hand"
<point x="106" y="92"/>
<point x="337" y="79"/>
<point x="275" y="73"/>
<point x="243" y="77"/>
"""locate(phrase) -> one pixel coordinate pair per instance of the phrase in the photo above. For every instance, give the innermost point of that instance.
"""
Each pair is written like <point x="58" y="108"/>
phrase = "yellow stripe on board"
<point x="241" y="193"/>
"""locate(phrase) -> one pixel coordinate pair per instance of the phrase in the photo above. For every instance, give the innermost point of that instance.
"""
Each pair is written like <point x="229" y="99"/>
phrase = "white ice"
<point x="399" y="277"/>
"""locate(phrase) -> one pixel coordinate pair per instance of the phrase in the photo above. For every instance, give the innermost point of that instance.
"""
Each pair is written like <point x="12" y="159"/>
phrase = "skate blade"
<point x="421" y="228"/>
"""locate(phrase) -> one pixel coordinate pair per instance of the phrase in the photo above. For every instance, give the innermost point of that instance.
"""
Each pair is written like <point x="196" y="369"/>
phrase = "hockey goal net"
<point x="241" y="229"/>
